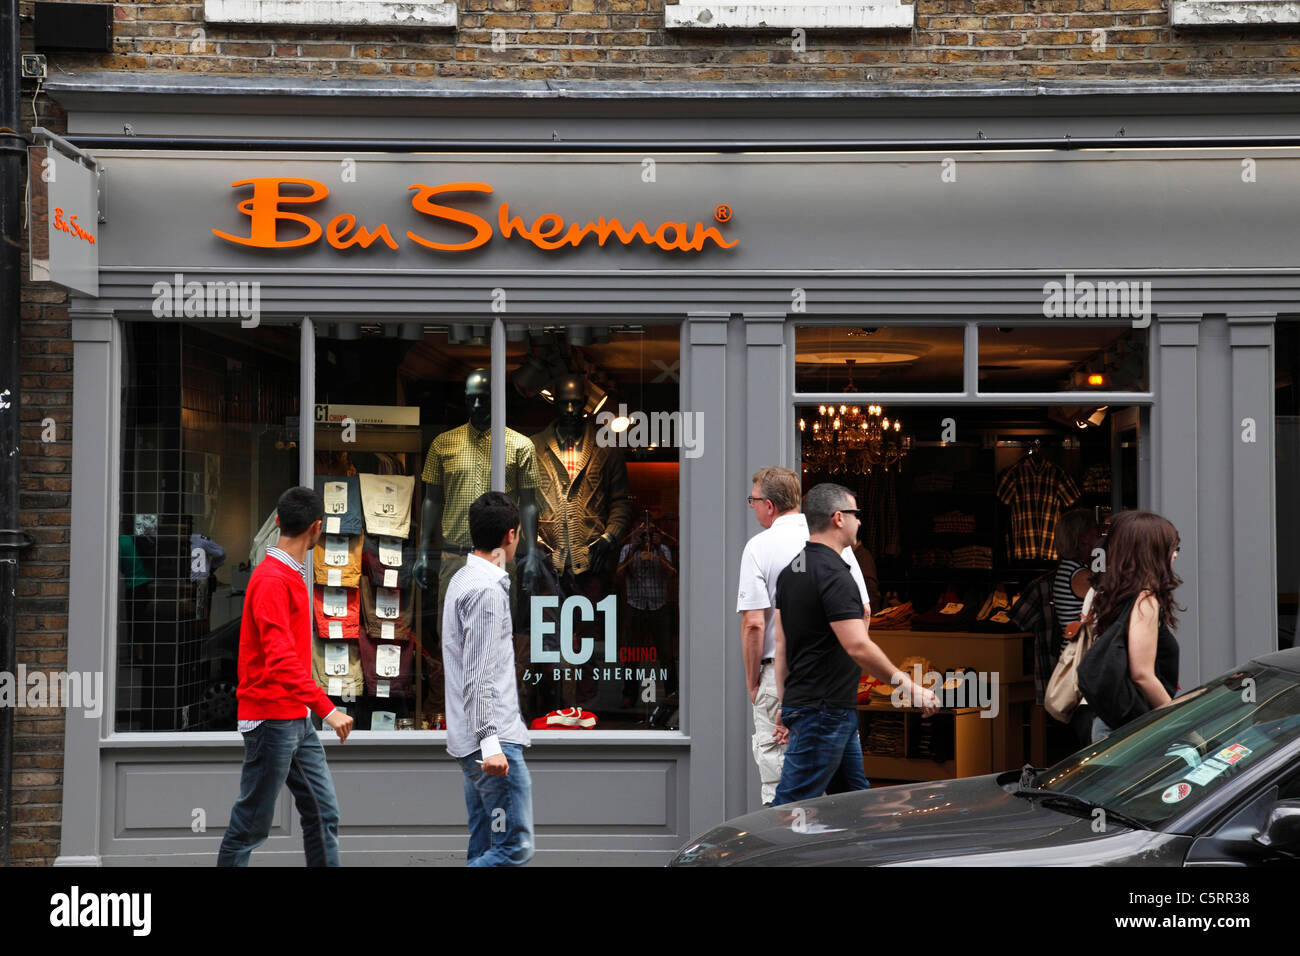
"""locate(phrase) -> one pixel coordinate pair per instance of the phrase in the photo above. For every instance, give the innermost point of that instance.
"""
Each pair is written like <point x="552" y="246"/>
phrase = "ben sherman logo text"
<point x="548" y="231"/>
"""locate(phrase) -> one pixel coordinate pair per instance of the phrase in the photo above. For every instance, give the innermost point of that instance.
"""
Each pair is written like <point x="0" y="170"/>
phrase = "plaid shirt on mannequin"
<point x="460" y="462"/>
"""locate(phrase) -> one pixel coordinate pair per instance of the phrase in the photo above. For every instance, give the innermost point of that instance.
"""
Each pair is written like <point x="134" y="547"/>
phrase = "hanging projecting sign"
<point x="65" y="220"/>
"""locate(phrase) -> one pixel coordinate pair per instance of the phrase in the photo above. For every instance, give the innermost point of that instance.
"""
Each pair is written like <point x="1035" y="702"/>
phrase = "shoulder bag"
<point x="1062" y="695"/>
<point x="1103" y="674"/>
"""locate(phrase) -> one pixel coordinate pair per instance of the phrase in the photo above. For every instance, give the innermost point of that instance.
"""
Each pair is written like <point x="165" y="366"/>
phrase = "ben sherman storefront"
<point x="268" y="318"/>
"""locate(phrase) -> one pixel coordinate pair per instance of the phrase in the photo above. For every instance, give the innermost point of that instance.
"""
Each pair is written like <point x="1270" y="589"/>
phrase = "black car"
<point x="1212" y="779"/>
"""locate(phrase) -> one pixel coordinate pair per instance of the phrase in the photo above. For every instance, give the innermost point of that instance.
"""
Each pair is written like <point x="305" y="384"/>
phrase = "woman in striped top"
<point x="1076" y="536"/>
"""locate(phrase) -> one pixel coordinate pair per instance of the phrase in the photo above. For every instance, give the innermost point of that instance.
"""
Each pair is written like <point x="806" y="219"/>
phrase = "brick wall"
<point x="954" y="40"/>
<point x="45" y="492"/>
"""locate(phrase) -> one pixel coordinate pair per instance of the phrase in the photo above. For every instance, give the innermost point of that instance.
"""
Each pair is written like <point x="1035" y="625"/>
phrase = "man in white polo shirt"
<point x="775" y="502"/>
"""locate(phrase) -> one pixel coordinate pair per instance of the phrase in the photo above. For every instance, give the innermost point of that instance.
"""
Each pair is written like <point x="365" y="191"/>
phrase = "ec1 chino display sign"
<point x="65" y="221"/>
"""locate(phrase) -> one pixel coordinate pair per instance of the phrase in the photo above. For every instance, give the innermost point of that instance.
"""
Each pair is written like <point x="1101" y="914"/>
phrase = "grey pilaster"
<point x="1174" y="466"/>
<point x="1254" y="464"/>
<point x="769" y="419"/>
<point x="93" y="576"/>
<point x="705" y="560"/>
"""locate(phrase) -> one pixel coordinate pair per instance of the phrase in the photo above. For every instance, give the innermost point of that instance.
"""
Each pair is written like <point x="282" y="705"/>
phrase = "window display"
<point x="595" y="624"/>
<point x="960" y="519"/>
<point x="402" y="446"/>
<point x="209" y="441"/>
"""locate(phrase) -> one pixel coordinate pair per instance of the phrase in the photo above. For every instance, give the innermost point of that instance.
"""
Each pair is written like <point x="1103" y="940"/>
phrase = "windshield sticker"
<point x="1234" y="753"/>
<point x="1206" y="772"/>
<point x="1178" y="791"/>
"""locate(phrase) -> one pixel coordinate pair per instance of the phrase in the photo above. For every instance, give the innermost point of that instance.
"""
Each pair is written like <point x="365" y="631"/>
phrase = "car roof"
<point x="1287" y="660"/>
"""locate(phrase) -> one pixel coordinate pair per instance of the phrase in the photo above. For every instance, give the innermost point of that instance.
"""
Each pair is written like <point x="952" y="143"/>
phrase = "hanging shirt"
<point x="1037" y="491"/>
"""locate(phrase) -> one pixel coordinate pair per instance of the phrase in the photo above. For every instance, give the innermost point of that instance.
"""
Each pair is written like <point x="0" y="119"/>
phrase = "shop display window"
<point x="1287" y="476"/>
<point x="404" y="421"/>
<point x="402" y="446"/>
<point x="959" y="511"/>
<point x="209" y="441"/>
<point x="878" y="359"/>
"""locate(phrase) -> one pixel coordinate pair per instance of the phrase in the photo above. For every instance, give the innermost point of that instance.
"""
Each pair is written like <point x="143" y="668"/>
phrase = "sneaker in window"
<point x="571" y="717"/>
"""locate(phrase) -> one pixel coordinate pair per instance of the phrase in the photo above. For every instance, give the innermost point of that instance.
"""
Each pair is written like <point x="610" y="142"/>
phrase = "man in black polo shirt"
<point x="822" y="648"/>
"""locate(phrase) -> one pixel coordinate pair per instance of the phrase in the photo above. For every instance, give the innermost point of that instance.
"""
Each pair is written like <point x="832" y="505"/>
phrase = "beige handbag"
<point x="1063" y="695"/>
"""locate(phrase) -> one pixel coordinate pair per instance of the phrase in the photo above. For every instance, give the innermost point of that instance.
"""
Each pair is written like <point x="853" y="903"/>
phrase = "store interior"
<point x="958" y="508"/>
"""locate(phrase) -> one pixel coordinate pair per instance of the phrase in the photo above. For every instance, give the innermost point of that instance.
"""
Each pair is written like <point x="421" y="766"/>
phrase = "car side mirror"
<point x="1283" y="830"/>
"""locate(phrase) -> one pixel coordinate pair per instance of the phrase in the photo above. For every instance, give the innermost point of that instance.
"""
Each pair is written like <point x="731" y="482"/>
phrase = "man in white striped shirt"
<point x="485" y="731"/>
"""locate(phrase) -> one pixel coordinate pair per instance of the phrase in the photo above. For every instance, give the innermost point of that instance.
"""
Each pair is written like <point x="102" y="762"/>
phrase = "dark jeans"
<point x="500" y="811"/>
<point x="824" y="752"/>
<point x="277" y="752"/>
<point x="1100" y="729"/>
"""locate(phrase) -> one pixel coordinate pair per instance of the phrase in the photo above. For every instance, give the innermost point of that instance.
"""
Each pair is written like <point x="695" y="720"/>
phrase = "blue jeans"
<point x="824" y="754"/>
<point x="277" y="752"/>
<point x="500" y="811"/>
<point x="1100" y="729"/>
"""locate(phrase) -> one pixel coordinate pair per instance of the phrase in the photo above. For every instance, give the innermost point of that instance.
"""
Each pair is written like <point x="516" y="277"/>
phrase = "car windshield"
<point x="1170" y="760"/>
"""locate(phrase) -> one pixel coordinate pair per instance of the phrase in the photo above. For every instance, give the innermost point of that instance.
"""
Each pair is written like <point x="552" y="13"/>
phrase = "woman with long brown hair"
<point x="1138" y="584"/>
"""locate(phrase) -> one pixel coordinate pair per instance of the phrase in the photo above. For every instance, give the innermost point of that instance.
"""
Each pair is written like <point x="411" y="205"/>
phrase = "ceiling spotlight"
<point x="620" y="424"/>
<point x="596" y="398"/>
<point x="531" y="377"/>
<point x="348" y="331"/>
<point x="411" y="331"/>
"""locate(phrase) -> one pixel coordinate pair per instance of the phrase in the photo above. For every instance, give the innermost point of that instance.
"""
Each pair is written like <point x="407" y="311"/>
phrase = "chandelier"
<point x="846" y="440"/>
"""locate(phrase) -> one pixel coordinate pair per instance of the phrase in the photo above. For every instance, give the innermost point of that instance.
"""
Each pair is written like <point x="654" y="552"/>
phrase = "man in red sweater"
<point x="277" y="696"/>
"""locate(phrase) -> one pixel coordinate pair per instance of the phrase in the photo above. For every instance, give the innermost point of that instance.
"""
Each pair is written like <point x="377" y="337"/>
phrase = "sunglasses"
<point x="750" y="499"/>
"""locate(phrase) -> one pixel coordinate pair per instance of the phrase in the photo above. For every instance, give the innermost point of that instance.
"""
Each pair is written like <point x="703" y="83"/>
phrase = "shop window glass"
<point x="1081" y="357"/>
<point x="1287" y="454"/>
<point x="403" y="411"/>
<point x="960" y="509"/>
<point x="878" y="359"/>
<point x="209" y="441"/>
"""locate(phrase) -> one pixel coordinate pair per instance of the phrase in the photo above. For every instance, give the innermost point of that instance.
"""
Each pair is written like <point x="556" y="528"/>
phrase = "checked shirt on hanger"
<point x="1037" y="491"/>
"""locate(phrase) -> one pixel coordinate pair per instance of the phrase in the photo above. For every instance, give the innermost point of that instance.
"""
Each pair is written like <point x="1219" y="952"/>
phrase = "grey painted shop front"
<point x="913" y="241"/>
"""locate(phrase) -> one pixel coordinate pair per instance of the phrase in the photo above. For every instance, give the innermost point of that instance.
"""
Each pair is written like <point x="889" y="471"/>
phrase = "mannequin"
<point x="457" y="470"/>
<point x="585" y="511"/>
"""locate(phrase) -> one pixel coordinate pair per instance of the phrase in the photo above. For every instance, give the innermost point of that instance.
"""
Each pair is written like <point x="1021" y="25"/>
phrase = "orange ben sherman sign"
<point x="547" y="232"/>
